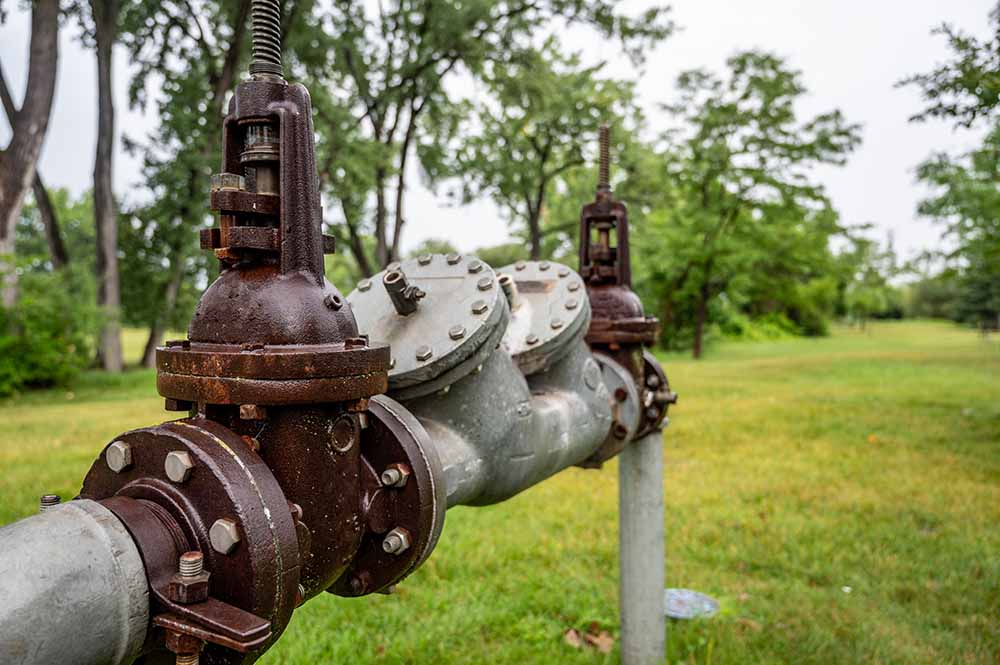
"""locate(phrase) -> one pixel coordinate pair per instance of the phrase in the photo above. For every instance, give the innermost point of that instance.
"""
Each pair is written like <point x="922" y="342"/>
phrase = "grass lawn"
<point x="840" y="497"/>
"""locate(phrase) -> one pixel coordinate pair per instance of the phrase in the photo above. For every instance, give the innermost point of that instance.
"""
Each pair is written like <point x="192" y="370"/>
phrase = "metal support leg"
<point x="641" y="549"/>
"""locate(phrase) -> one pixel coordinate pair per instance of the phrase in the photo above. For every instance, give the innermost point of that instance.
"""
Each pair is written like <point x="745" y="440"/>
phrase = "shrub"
<point x="48" y="336"/>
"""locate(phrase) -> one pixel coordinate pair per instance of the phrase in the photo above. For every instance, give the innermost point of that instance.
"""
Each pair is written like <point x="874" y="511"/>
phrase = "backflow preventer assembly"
<point x="325" y="436"/>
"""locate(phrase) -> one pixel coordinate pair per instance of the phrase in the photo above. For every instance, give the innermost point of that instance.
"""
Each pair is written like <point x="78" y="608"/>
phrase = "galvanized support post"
<point x="641" y="551"/>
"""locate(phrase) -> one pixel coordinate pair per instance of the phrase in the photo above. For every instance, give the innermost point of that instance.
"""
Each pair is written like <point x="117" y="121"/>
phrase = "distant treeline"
<point x="732" y="234"/>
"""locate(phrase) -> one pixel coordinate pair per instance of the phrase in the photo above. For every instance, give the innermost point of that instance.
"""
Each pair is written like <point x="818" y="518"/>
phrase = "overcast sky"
<point x="850" y="52"/>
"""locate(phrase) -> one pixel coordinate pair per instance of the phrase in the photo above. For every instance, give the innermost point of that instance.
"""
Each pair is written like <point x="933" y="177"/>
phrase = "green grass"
<point x="841" y="497"/>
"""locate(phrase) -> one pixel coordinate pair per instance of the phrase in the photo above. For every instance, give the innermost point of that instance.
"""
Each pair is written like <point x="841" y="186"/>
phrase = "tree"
<point x="378" y="71"/>
<point x="28" y="127"/>
<point x="743" y="203"/>
<point x="43" y="201"/>
<point x="538" y="120"/>
<point x="102" y="31"/>
<point x="965" y="89"/>
<point x="965" y="199"/>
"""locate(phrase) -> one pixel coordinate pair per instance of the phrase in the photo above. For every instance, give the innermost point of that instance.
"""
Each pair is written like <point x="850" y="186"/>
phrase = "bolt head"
<point x="485" y="283"/>
<point x="224" y="535"/>
<point x="333" y="301"/>
<point x="178" y="465"/>
<point x="424" y="353"/>
<point x="425" y="259"/>
<point x="364" y="285"/>
<point x="457" y="332"/>
<point x="520" y="265"/>
<point x="572" y="303"/>
<point x="574" y="286"/>
<point x="479" y="307"/>
<point x="395" y="475"/>
<point x="544" y="265"/>
<point x="564" y="272"/>
<point x="653" y="381"/>
<point x="118" y="456"/>
<point x="532" y="339"/>
<point x="475" y="266"/>
<point x="556" y="324"/>
<point x="452" y="259"/>
<point x="396" y="541"/>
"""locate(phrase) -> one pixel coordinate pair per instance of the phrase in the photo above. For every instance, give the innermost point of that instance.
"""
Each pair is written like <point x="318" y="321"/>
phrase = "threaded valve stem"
<point x="604" y="171"/>
<point x="266" y="44"/>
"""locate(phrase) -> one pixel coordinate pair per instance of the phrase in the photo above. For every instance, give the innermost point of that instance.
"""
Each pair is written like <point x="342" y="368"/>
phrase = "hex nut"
<point x="572" y="303"/>
<point x="224" y="535"/>
<point x="188" y="589"/>
<point x="520" y="265"/>
<point x="485" y="283"/>
<point x="364" y="285"/>
<point x="544" y="265"/>
<point x="396" y="541"/>
<point x="452" y="259"/>
<point x="479" y="307"/>
<point x="532" y="339"/>
<point x="475" y="266"/>
<point x="556" y="324"/>
<point x="456" y="332"/>
<point x="564" y="272"/>
<point x="178" y="465"/>
<point x="574" y="286"/>
<point x="424" y="353"/>
<point x="118" y="456"/>
<point x="425" y="259"/>
<point x="228" y="181"/>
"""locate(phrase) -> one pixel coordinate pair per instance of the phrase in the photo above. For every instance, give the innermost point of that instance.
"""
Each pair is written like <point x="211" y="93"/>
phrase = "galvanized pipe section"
<point x="498" y="433"/>
<point x="73" y="587"/>
<point x="641" y="551"/>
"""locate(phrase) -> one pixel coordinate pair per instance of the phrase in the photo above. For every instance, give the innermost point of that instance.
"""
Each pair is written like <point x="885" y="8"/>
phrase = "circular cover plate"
<point x="552" y="311"/>
<point x="461" y="310"/>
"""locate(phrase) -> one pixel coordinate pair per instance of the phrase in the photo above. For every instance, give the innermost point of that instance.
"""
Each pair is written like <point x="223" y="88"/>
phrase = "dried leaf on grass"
<point x="594" y="638"/>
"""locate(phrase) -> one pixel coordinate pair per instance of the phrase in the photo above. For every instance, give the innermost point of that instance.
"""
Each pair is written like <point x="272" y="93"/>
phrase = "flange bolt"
<point x="48" y="502"/>
<point x="396" y="541"/>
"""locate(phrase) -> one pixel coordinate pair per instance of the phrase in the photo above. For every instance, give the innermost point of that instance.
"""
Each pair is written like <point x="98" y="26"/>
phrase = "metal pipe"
<point x="74" y="589"/>
<point x="641" y="550"/>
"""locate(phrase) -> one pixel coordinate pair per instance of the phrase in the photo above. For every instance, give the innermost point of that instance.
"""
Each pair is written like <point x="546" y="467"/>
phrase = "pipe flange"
<point x="226" y="481"/>
<point x="626" y="411"/>
<point x="403" y="519"/>
<point x="459" y="314"/>
<point x="549" y="312"/>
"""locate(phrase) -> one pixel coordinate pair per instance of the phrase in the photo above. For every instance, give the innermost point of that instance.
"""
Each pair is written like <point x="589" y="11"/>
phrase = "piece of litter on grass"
<point x="572" y="638"/>
<point x="688" y="604"/>
<point x="846" y="589"/>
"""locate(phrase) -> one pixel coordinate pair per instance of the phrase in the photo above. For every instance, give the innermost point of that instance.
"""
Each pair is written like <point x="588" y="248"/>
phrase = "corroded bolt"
<point x="178" y="465"/>
<point x="475" y="266"/>
<point x="457" y="332"/>
<point x="396" y="541"/>
<point x="48" y="502"/>
<point x="224" y="535"/>
<point x="452" y="259"/>
<point x="395" y="475"/>
<point x="424" y="353"/>
<point x="479" y="307"/>
<point x="187" y="659"/>
<point x="118" y="456"/>
<point x="485" y="283"/>
<point x="191" y="564"/>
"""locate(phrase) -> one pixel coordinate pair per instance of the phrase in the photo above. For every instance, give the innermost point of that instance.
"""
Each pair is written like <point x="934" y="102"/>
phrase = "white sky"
<point x="851" y="53"/>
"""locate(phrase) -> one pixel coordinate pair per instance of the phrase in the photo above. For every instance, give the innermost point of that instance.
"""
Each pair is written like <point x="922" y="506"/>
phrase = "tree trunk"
<point x="535" y="234"/>
<point x="381" y="214"/>
<point x="50" y="222"/>
<point x="28" y="127"/>
<point x="169" y="302"/>
<point x="109" y="352"/>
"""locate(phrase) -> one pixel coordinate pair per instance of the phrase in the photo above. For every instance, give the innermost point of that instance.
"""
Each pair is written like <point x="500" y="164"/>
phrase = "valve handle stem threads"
<point x="604" y="171"/>
<point x="266" y="43"/>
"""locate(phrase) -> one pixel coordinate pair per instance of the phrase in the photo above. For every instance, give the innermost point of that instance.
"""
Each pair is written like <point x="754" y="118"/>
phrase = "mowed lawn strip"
<point x="840" y="497"/>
